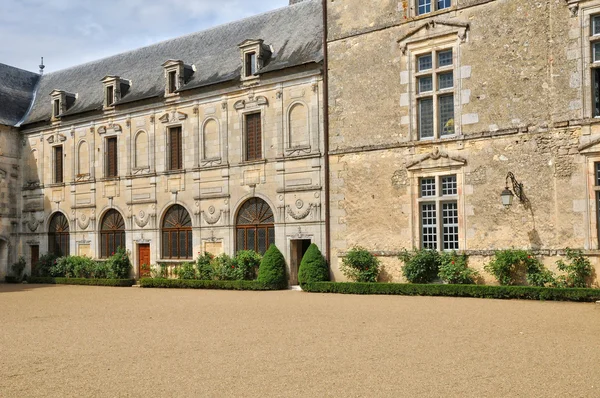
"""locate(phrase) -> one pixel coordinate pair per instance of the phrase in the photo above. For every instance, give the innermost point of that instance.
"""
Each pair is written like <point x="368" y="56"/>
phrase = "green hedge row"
<point x="480" y="291"/>
<point x="200" y="284"/>
<point x="82" y="281"/>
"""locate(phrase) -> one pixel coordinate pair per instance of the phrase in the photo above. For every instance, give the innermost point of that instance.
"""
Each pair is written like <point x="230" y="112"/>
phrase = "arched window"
<point x="255" y="226"/>
<point x="177" y="233"/>
<point x="112" y="233"/>
<point x="58" y="235"/>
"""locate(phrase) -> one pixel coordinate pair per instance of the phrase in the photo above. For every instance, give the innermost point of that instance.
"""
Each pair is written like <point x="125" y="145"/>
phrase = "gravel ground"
<point x="80" y="341"/>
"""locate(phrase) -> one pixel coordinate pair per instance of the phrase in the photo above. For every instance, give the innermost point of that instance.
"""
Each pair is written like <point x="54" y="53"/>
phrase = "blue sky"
<point x="71" y="32"/>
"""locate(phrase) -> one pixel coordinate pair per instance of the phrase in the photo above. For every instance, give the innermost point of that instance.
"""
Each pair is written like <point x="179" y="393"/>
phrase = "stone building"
<point x="432" y="103"/>
<point x="209" y="142"/>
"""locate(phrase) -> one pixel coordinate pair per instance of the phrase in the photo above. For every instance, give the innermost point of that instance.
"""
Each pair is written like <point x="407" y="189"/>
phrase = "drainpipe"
<point x="326" y="135"/>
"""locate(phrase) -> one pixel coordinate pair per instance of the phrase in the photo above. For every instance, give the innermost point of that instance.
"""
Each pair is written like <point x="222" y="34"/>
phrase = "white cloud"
<point x="70" y="32"/>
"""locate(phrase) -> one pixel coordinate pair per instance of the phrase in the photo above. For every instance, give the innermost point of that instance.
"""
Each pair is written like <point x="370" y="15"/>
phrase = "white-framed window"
<point x="434" y="79"/>
<point x="427" y="6"/>
<point x="438" y="212"/>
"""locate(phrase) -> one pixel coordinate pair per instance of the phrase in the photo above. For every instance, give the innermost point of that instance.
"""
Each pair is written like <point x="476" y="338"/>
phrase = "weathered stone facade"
<point x="9" y="198"/>
<point x="522" y="103"/>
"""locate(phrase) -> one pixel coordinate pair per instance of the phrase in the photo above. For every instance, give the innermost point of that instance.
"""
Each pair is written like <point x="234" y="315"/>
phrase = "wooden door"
<point x="144" y="260"/>
<point x="35" y="257"/>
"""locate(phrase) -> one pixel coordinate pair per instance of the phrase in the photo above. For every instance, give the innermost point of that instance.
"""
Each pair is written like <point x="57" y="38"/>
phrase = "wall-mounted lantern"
<point x="507" y="195"/>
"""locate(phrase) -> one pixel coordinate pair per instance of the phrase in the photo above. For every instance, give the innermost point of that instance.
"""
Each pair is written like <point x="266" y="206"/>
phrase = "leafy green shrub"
<point x="99" y="270"/>
<point x="511" y="266"/>
<point x="119" y="266"/>
<point x="83" y="281"/>
<point x="360" y="265"/>
<point x="18" y="268"/>
<point x="204" y="270"/>
<point x="204" y="284"/>
<point x="61" y="268"/>
<point x="44" y="265"/>
<point x="224" y="268"/>
<point x="453" y="269"/>
<point x="578" y="270"/>
<point x="313" y="267"/>
<point x="185" y="271"/>
<point x="480" y="291"/>
<point x="272" y="270"/>
<point x="420" y="265"/>
<point x="247" y="262"/>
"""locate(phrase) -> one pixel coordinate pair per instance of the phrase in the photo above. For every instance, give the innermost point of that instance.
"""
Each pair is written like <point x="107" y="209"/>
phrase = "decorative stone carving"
<point x="460" y="28"/>
<point x="173" y="117"/>
<point x="50" y="139"/>
<point x="303" y="213"/>
<point x="436" y="159"/>
<point x="212" y="218"/>
<point x="83" y="222"/>
<point x="33" y="223"/>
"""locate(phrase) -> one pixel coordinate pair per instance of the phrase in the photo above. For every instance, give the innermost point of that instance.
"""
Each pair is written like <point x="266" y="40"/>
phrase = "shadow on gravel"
<point x="20" y="287"/>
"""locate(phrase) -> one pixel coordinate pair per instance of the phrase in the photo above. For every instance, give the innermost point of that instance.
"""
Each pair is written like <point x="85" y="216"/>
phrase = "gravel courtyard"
<point x="71" y="341"/>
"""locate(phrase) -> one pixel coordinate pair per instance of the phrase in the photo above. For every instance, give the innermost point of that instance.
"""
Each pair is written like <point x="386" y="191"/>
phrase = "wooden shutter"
<point x="253" y="137"/>
<point x="111" y="157"/>
<point x="175" y="149"/>
<point x="58" y="164"/>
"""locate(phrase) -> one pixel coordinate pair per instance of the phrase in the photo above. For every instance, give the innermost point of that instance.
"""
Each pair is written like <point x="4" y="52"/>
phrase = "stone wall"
<point x="521" y="104"/>
<point x="9" y="198"/>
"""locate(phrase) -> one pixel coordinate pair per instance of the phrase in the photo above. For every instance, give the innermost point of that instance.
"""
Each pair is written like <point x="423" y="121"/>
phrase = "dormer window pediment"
<point x="177" y="74"/>
<point x="255" y="55"/>
<point x="61" y="102"/>
<point x="115" y="88"/>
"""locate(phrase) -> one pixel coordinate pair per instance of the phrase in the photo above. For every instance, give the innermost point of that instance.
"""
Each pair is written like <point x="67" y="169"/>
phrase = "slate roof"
<point x="16" y="92"/>
<point x="295" y="32"/>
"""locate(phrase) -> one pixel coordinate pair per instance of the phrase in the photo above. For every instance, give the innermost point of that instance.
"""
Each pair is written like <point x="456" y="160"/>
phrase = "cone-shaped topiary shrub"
<point x="313" y="267"/>
<point x="272" y="269"/>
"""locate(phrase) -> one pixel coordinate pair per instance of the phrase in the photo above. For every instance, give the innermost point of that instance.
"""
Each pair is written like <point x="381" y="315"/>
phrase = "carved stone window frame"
<point x="262" y="52"/>
<point x="64" y="100"/>
<point x="436" y="165"/>
<point x="182" y="73"/>
<point x="591" y="152"/>
<point x="587" y="66"/>
<point x="119" y="88"/>
<point x="290" y="148"/>
<point x="432" y="37"/>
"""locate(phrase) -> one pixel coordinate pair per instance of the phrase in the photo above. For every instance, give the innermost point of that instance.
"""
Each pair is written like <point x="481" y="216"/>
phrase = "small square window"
<point x="444" y="58"/>
<point x="427" y="187"/>
<point x="596" y="52"/>
<point x="172" y="82"/>
<point x="597" y="169"/>
<point x="449" y="186"/>
<point x="424" y="6"/>
<point x="446" y="80"/>
<point x="424" y="62"/>
<point x="425" y="84"/>
<point x="110" y="95"/>
<point x="441" y="4"/>
<point x="596" y="25"/>
<point x="56" y="110"/>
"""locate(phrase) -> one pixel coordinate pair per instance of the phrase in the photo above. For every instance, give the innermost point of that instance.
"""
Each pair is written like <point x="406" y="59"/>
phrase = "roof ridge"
<point x="21" y="69"/>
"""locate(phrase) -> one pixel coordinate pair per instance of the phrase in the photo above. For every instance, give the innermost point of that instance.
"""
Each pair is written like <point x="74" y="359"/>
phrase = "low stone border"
<point x="479" y="291"/>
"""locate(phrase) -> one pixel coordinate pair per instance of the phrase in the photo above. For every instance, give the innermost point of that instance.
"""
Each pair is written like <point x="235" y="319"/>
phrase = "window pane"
<point x="241" y="244"/>
<point x="426" y="118"/>
<point x="596" y="91"/>
<point x="424" y="7"/>
<point x="182" y="244"/>
<point x="597" y="166"/>
<point x="190" y="245"/>
<point x="424" y="62"/>
<point x="425" y="84"/>
<point x="445" y="80"/>
<point x="174" y="250"/>
<point x="450" y="225"/>
<point x="262" y="240"/>
<point x="271" y="237"/>
<point x="441" y="4"/>
<point x="444" y="58"/>
<point x="429" y="226"/>
<point x="427" y="187"/>
<point x="598" y="215"/>
<point x="446" y="106"/>
<point x="596" y="52"/>
<point x="251" y="239"/>
<point x="165" y="245"/>
<point x="449" y="186"/>
<point x="596" y="25"/>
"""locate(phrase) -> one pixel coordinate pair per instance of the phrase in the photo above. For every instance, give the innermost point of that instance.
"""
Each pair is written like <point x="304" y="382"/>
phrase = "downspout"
<point x="326" y="137"/>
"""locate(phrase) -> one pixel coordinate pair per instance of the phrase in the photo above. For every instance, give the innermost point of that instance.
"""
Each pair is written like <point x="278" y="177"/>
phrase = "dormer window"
<point x="115" y="88"/>
<point x="255" y="56"/>
<point x="172" y="85"/>
<point x="110" y="95"/>
<point x="56" y="108"/>
<point x="250" y="64"/>
<point x="61" y="102"/>
<point x="177" y="74"/>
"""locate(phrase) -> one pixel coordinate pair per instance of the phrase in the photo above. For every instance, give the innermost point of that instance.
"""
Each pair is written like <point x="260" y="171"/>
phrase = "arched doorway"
<point x="255" y="228"/>
<point x="112" y="233"/>
<point x="58" y="235"/>
<point x="177" y="233"/>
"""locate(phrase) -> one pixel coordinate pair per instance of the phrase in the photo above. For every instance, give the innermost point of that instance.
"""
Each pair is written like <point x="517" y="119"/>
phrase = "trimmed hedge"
<point x="272" y="269"/>
<point x="313" y="267"/>
<point x="479" y="291"/>
<point x="83" y="281"/>
<point x="199" y="284"/>
<point x="11" y="279"/>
